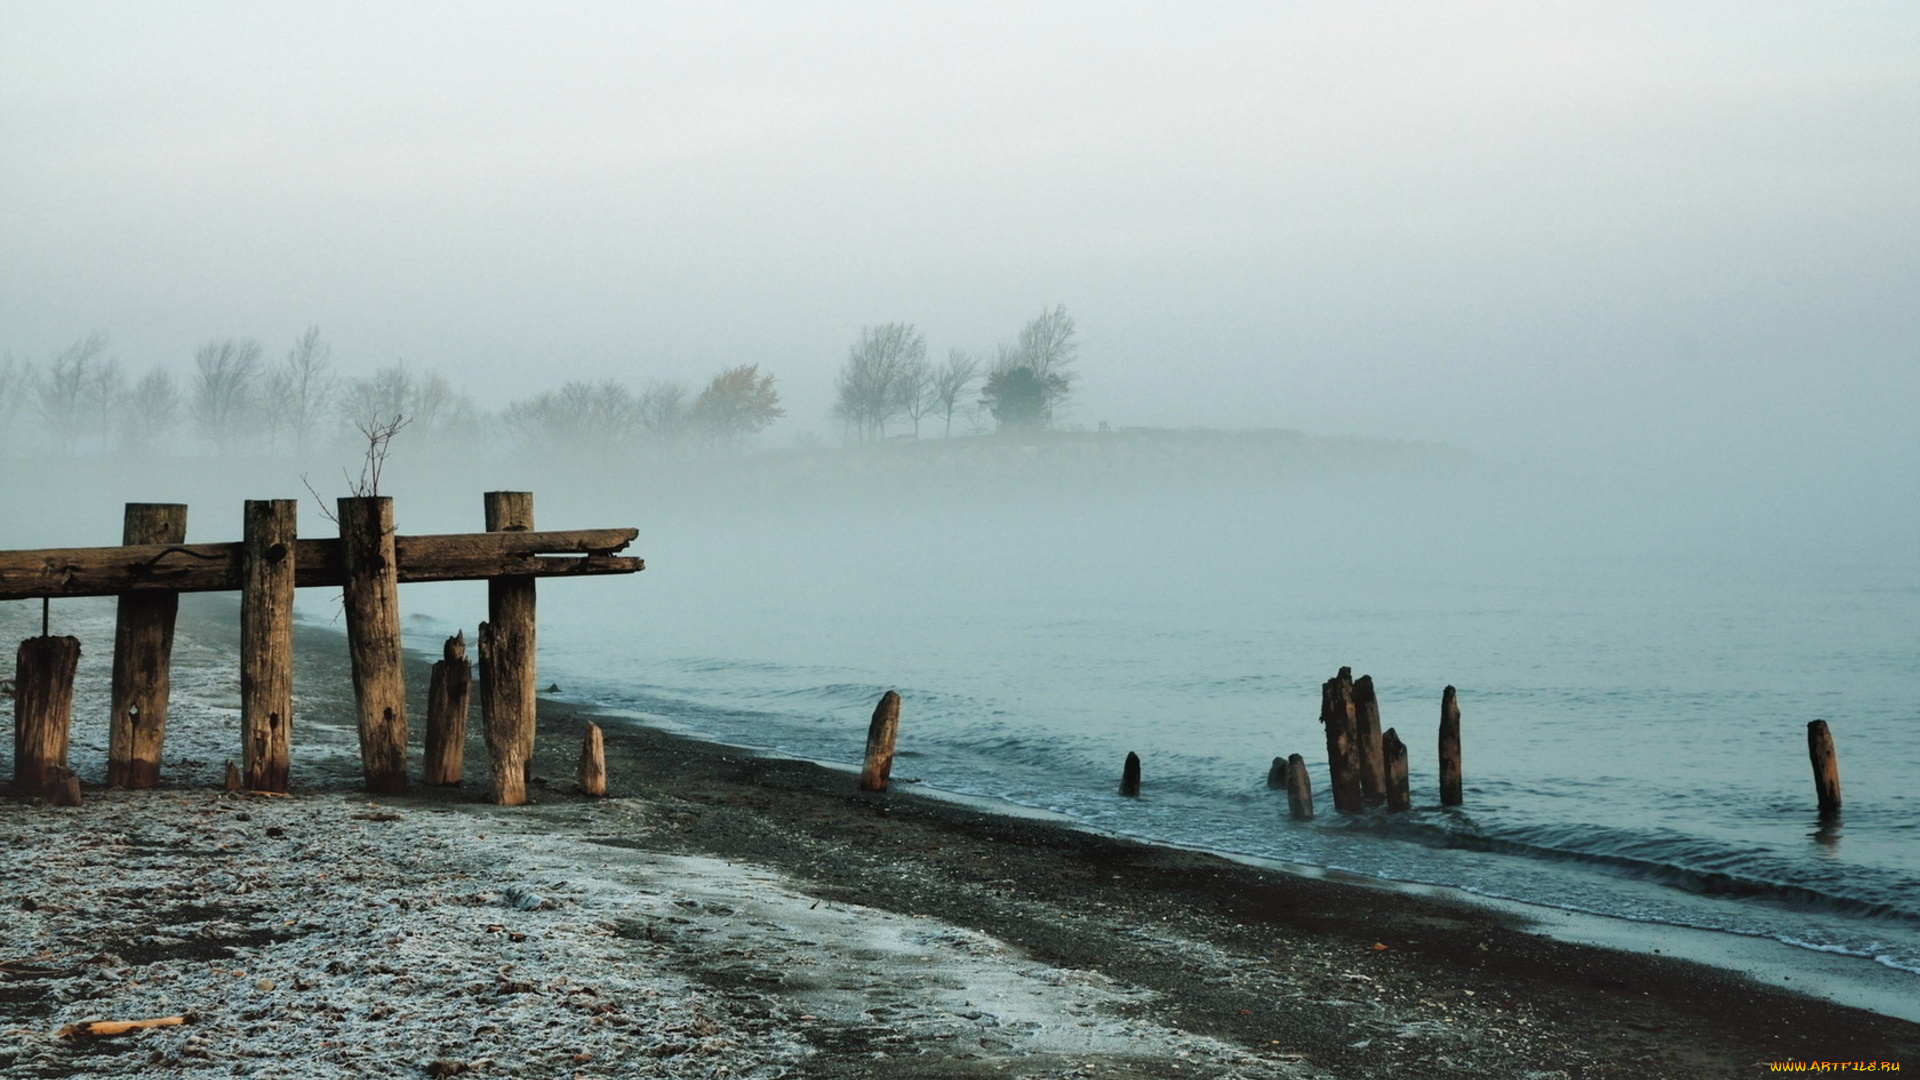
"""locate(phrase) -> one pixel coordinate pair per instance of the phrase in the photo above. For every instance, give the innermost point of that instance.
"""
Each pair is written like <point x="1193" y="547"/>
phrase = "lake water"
<point x="1634" y="703"/>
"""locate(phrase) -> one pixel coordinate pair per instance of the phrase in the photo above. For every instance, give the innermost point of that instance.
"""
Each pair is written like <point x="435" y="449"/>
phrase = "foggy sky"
<point x="1636" y="236"/>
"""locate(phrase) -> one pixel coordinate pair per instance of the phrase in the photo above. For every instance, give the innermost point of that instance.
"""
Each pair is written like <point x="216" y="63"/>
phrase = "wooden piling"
<point x="1826" y="765"/>
<point x="371" y="598"/>
<point x="881" y="733"/>
<point x="65" y="789"/>
<point x="266" y="642"/>
<point x="1373" y="758"/>
<point x="1399" y="794"/>
<point x="506" y="748"/>
<point x="1299" y="788"/>
<point x="593" y="763"/>
<point x="1277" y="774"/>
<point x="510" y="611"/>
<point x="1343" y="752"/>
<point x="448" y="702"/>
<point x="142" y="652"/>
<point x="42" y="711"/>
<point x="1130" y="776"/>
<point x="1450" y="792"/>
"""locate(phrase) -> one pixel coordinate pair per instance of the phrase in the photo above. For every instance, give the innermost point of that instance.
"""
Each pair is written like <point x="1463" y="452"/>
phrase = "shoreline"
<point x="755" y="915"/>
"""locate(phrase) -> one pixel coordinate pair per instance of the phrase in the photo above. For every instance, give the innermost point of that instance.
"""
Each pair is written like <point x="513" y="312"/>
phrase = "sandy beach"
<point x="725" y="914"/>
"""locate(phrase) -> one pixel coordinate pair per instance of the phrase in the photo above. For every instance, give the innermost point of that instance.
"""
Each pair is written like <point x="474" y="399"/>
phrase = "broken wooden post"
<point x="371" y="598"/>
<point x="593" y="762"/>
<point x="510" y="606"/>
<point x="1399" y="794"/>
<point x="1130" y="776"/>
<point x="1826" y="766"/>
<point x="1373" y="758"/>
<point x="1343" y="751"/>
<point x="65" y="789"/>
<point x="1299" y="788"/>
<point x="507" y="765"/>
<point x="234" y="782"/>
<point x="142" y="650"/>
<point x="448" y="701"/>
<point x="266" y="642"/>
<point x="1450" y="793"/>
<point x="881" y="733"/>
<point x="42" y="711"/>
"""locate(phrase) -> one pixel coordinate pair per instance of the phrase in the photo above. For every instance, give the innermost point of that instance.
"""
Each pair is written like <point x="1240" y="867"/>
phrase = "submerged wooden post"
<point x="1373" y="757"/>
<point x="1399" y="794"/>
<point x="1299" y="788"/>
<point x="881" y="733"/>
<point x="266" y="641"/>
<point x="142" y="651"/>
<point x="1130" y="776"/>
<point x="42" y="711"/>
<point x="371" y="597"/>
<point x="506" y="748"/>
<point x="1343" y="751"/>
<point x="593" y="762"/>
<point x="1277" y="774"/>
<point x="510" y="607"/>
<point x="448" y="702"/>
<point x="1450" y="793"/>
<point x="1826" y="766"/>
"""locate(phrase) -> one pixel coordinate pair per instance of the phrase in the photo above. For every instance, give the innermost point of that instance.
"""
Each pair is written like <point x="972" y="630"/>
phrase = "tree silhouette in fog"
<point x="738" y="402"/>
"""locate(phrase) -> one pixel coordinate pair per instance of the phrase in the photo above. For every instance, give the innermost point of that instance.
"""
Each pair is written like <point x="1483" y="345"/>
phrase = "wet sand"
<point x="728" y="914"/>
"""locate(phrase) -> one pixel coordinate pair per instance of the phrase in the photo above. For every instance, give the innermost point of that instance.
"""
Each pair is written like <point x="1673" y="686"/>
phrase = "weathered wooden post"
<point x="1337" y="714"/>
<point x="1299" y="788"/>
<point x="1450" y="792"/>
<point x="1399" y="794"/>
<point x="507" y="765"/>
<point x="270" y="537"/>
<point x="593" y="762"/>
<point x="1373" y="758"/>
<point x="65" y="789"/>
<point x="511" y="701"/>
<point x="448" y="702"/>
<point x="42" y="711"/>
<point x="881" y="733"/>
<point x="1277" y="774"/>
<point x="371" y="598"/>
<point x="1130" y="776"/>
<point x="1826" y="766"/>
<point x="142" y="651"/>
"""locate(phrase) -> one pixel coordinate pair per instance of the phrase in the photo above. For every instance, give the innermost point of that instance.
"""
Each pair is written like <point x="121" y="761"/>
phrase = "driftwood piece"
<point x="1451" y="793"/>
<point x="371" y="599"/>
<point x="881" y="733"/>
<point x="593" y="762"/>
<point x="449" y="697"/>
<point x="42" y="711"/>
<point x="1373" y="757"/>
<point x="103" y="1028"/>
<point x="266" y="642"/>
<point x="1130" y="776"/>
<point x="1826" y="765"/>
<point x="510" y="611"/>
<point x="169" y="567"/>
<point x="1399" y="793"/>
<point x="142" y="655"/>
<point x="1299" y="788"/>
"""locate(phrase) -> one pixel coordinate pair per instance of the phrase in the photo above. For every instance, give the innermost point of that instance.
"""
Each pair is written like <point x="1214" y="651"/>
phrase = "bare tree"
<point x="300" y="391"/>
<point x="16" y="379"/>
<point x="661" y="411"/>
<point x="60" y="393"/>
<point x="592" y="417"/>
<point x="429" y="401"/>
<point x="885" y="369"/>
<point x="147" y="412"/>
<point x="105" y="390"/>
<point x="226" y="377"/>
<point x="950" y="382"/>
<point x="1032" y="375"/>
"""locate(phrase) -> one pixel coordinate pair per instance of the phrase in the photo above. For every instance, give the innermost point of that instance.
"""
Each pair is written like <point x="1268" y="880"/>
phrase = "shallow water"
<point x="1634" y="705"/>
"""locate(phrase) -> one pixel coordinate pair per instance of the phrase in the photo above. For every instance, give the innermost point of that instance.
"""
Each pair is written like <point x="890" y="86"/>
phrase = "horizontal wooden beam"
<point x="110" y="571"/>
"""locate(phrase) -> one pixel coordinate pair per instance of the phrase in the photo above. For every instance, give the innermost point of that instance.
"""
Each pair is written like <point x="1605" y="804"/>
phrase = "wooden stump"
<point x="1299" y="788"/>
<point x="65" y="789"/>
<point x="142" y="651"/>
<point x="371" y="598"/>
<point x="1277" y="774"/>
<point x="1450" y="791"/>
<point x="1130" y="776"/>
<point x="506" y="748"/>
<point x="42" y="711"/>
<point x="510" y="610"/>
<point x="448" y="702"/>
<point x="266" y="642"/>
<point x="1399" y="794"/>
<point x="881" y="733"/>
<point x="1373" y="758"/>
<point x="1343" y="751"/>
<point x="593" y="762"/>
<point x="234" y="781"/>
<point x="1826" y="766"/>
